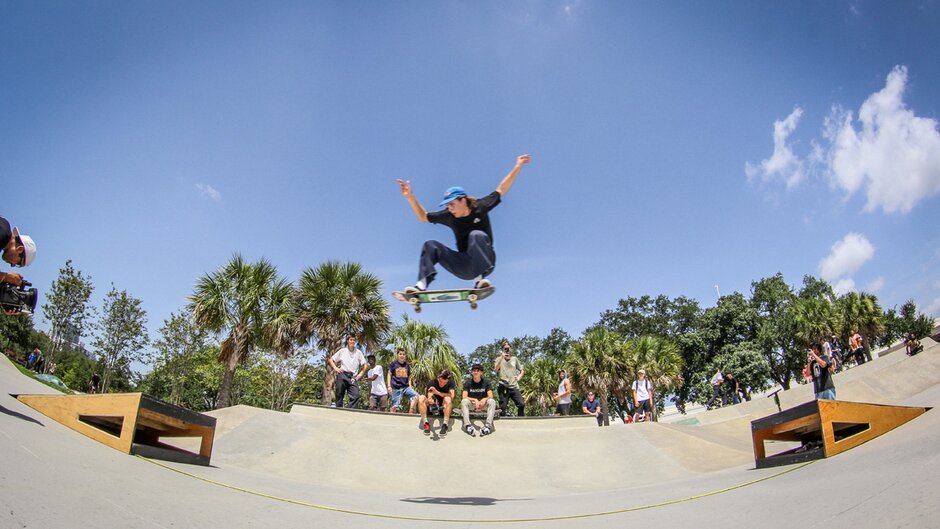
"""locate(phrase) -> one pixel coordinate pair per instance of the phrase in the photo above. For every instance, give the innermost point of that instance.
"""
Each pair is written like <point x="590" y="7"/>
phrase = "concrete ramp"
<point x="382" y="452"/>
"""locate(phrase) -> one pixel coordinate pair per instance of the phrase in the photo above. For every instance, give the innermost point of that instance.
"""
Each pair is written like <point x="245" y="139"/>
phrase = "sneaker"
<point x="470" y="430"/>
<point x="412" y="290"/>
<point x="486" y="431"/>
<point x="426" y="427"/>
<point x="483" y="283"/>
<point x="444" y="429"/>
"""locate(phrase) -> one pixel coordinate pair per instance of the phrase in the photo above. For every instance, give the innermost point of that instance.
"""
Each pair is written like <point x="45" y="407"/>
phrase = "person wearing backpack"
<point x="820" y="368"/>
<point x="642" y="396"/>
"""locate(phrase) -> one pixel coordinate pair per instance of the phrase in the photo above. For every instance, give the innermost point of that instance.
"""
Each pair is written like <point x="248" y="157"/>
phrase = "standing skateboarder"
<point x="469" y="219"/>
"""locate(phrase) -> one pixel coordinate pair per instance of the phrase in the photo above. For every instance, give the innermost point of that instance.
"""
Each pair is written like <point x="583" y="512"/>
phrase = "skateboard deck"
<point x="470" y="295"/>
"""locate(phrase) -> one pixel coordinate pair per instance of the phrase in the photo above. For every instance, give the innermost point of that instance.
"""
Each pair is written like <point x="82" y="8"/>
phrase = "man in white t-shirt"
<point x="643" y="395"/>
<point x="378" y="396"/>
<point x="349" y="366"/>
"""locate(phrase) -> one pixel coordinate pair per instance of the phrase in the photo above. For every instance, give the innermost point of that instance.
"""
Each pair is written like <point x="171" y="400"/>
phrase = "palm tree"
<point x="813" y="319"/>
<point x="540" y="382"/>
<point x="246" y="301"/>
<point x="658" y="356"/>
<point x="860" y="311"/>
<point x="429" y="350"/>
<point x="595" y="362"/>
<point x="335" y="300"/>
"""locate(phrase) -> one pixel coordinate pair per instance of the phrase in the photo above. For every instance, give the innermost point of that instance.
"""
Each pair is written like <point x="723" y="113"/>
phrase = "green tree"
<point x="659" y="357"/>
<point x="247" y="302"/>
<point x="429" y="351"/>
<point x="898" y="323"/>
<point x="813" y="320"/>
<point x="335" y="300"/>
<point x="859" y="311"/>
<point x="748" y="365"/>
<point x="121" y="335"/>
<point x="595" y="362"/>
<point x="775" y="334"/>
<point x="176" y="350"/>
<point x="540" y="383"/>
<point x="557" y="344"/>
<point x="15" y="332"/>
<point x="67" y="308"/>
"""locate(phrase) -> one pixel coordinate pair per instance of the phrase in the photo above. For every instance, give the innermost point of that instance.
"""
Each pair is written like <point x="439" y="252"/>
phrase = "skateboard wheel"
<point x="473" y="306"/>
<point x="413" y="301"/>
<point x="417" y="309"/>
<point x="472" y="298"/>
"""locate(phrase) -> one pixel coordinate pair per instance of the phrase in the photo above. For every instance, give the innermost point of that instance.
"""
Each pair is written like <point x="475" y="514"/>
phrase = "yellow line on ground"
<point x="467" y="520"/>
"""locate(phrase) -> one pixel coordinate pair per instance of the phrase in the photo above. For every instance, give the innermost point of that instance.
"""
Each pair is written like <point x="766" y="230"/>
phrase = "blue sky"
<point x="149" y="141"/>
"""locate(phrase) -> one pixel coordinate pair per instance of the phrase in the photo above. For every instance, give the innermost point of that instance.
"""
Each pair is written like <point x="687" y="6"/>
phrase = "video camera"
<point x="18" y="299"/>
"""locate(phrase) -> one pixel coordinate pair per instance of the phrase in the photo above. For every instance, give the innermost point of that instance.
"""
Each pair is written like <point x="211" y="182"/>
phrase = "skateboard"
<point x="470" y="295"/>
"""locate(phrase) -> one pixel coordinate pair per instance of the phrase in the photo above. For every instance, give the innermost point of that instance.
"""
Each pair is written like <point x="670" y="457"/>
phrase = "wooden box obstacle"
<point x="825" y="428"/>
<point x="133" y="423"/>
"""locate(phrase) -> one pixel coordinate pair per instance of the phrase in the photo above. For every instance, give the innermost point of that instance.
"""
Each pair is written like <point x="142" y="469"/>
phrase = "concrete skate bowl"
<point x="345" y="468"/>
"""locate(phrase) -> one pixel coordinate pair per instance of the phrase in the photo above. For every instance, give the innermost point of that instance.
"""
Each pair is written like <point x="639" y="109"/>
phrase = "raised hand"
<point x="405" y="187"/>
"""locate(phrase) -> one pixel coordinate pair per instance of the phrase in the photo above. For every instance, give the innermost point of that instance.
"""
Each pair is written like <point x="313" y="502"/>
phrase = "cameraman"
<point x="18" y="250"/>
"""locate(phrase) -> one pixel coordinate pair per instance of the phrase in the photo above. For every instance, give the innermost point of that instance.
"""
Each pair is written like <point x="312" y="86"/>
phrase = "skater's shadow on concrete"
<point x="19" y="415"/>
<point x="461" y="500"/>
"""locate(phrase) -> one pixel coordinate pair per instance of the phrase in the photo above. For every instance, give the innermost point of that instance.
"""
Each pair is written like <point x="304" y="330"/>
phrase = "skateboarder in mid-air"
<point x="469" y="218"/>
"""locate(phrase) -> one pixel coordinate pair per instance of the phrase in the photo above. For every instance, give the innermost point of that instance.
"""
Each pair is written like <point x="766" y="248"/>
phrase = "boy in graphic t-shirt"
<point x="398" y="381"/>
<point x="440" y="394"/>
<point x="477" y="395"/>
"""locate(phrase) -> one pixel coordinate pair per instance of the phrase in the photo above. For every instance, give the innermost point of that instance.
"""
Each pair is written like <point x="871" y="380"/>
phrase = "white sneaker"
<point x="412" y="290"/>
<point x="483" y="283"/>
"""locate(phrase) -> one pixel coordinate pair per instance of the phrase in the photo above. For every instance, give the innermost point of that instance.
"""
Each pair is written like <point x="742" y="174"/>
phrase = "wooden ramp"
<point x="825" y="428"/>
<point x="130" y="422"/>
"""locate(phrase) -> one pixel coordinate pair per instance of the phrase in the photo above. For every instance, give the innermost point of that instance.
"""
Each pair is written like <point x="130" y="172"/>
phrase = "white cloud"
<point x="875" y="285"/>
<point x="209" y="191"/>
<point x="895" y="155"/>
<point x="783" y="163"/>
<point x="891" y="154"/>
<point x="846" y="257"/>
<point x="844" y="286"/>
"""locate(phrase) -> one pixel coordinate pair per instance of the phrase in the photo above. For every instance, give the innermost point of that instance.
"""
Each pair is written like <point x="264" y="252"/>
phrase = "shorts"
<point x="378" y="401"/>
<point x="408" y="393"/>
<point x="644" y="406"/>
<point x="562" y="409"/>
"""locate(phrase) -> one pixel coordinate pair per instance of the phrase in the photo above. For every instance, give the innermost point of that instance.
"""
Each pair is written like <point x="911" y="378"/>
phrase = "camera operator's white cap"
<point x="28" y="246"/>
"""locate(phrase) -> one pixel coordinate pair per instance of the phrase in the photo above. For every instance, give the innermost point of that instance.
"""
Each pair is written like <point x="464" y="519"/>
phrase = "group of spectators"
<point x="389" y="388"/>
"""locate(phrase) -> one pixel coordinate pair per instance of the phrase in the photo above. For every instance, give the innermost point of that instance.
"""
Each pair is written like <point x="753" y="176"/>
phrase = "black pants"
<point x="516" y="395"/>
<point x="345" y="382"/>
<point x="478" y="260"/>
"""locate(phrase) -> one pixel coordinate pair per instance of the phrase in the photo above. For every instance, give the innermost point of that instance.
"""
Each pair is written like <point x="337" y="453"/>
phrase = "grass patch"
<point x="30" y="374"/>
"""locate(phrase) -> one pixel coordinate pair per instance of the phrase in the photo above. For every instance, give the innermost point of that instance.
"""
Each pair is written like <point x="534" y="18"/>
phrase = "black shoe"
<point x="485" y="431"/>
<point x="444" y="429"/>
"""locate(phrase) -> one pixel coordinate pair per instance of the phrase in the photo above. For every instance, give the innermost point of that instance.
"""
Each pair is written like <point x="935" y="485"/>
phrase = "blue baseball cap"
<point x="451" y="194"/>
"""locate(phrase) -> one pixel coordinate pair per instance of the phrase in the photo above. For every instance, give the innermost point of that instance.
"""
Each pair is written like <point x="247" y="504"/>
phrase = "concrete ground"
<point x="325" y="467"/>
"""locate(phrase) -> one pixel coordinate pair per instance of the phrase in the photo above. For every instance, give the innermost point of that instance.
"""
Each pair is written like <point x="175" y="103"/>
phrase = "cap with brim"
<point x="477" y="367"/>
<point x="28" y="246"/>
<point x="451" y="194"/>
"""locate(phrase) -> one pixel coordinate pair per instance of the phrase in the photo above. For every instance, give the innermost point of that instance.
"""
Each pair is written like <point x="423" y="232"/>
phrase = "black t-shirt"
<point x="477" y="390"/>
<point x="822" y="379"/>
<point x="6" y="232"/>
<point x="443" y="389"/>
<point x="478" y="219"/>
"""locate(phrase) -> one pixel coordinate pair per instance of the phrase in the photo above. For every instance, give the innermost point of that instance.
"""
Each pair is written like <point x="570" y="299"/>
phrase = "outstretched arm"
<point x="419" y="210"/>
<point x="508" y="180"/>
